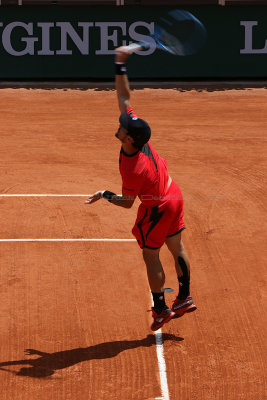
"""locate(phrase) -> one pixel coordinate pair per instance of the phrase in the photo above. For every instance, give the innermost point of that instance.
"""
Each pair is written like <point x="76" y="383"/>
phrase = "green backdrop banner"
<point x="79" y="42"/>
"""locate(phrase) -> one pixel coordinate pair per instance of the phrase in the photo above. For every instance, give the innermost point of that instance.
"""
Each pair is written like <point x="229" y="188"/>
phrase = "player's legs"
<point x="176" y="247"/>
<point x="155" y="272"/>
<point x="183" y="302"/>
<point x="156" y="278"/>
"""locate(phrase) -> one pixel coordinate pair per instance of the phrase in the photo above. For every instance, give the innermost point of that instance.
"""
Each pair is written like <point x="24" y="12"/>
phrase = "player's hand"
<point x="92" y="198"/>
<point x="124" y="52"/>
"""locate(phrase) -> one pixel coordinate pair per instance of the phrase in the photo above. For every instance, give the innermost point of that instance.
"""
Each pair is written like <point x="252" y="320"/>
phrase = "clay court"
<point x="74" y="321"/>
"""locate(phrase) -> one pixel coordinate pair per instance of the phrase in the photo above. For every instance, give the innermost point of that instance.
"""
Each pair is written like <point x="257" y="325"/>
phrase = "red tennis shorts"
<point x="153" y="225"/>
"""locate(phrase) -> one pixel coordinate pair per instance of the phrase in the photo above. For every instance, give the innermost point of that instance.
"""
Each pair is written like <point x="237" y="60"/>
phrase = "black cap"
<point x="137" y="128"/>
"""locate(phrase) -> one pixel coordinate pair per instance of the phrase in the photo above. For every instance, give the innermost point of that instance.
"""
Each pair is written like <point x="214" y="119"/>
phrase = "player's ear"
<point x="130" y="139"/>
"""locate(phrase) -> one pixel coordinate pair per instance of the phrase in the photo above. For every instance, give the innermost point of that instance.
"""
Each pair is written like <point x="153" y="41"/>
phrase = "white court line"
<point x="68" y="240"/>
<point x="44" y="195"/>
<point x="162" y="367"/>
<point x="158" y="334"/>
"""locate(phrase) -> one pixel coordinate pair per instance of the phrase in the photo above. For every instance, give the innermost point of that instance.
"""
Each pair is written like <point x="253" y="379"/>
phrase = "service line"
<point x="68" y="240"/>
<point x="43" y="195"/>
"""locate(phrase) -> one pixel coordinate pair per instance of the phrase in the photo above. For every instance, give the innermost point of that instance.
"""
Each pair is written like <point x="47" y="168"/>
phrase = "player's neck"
<point x="129" y="149"/>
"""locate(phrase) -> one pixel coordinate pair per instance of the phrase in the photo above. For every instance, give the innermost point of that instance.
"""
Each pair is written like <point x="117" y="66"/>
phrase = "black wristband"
<point x="108" y="195"/>
<point x="120" y="69"/>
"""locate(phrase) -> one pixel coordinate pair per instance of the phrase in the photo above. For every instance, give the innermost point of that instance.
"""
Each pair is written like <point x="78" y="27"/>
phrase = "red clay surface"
<point x="81" y="307"/>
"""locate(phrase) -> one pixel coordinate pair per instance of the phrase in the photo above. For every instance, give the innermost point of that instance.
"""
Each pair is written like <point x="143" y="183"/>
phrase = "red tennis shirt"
<point x="144" y="174"/>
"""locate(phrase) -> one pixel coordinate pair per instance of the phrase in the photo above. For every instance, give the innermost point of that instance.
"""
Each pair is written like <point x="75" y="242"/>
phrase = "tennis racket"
<point x="180" y="33"/>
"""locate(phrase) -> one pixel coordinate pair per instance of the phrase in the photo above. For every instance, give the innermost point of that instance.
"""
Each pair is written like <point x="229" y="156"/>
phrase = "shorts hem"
<point x="152" y="248"/>
<point x="176" y="233"/>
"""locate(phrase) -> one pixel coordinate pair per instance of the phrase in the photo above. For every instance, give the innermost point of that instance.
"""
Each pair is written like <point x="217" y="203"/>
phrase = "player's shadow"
<point x="48" y="363"/>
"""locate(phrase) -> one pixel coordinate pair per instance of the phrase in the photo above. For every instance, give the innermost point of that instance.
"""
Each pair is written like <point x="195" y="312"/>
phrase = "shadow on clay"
<point x="46" y="365"/>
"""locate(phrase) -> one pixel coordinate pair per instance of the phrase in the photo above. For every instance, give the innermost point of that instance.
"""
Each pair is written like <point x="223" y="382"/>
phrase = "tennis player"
<point x="160" y="214"/>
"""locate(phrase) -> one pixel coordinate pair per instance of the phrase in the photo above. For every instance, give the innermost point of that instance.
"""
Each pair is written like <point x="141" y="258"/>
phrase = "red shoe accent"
<point x="160" y="319"/>
<point x="180" y="307"/>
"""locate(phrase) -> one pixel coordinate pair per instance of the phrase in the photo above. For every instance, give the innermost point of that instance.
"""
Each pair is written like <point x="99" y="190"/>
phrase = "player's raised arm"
<point x="121" y="78"/>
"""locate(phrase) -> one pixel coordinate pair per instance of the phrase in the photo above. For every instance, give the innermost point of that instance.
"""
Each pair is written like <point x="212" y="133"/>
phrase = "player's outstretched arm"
<point x="116" y="199"/>
<point x="121" y="78"/>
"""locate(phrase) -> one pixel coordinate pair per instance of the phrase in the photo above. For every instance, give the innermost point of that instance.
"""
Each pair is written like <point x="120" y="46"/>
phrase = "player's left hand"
<point x="92" y="198"/>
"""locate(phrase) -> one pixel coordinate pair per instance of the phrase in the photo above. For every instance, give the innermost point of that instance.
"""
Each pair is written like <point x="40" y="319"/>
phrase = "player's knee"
<point x="176" y="249"/>
<point x="150" y="254"/>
